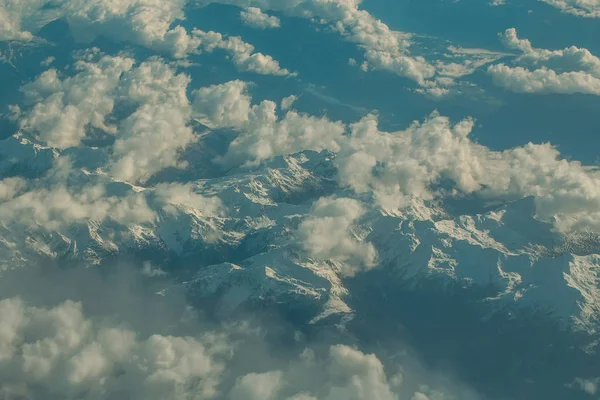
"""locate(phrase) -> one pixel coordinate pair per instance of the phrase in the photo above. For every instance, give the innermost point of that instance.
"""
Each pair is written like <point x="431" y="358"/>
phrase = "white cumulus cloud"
<point x="582" y="8"/>
<point x="363" y="376"/>
<point x="263" y="134"/>
<point x="19" y="19"/>
<point x="57" y="352"/>
<point x="415" y="162"/>
<point x="567" y="71"/>
<point x="151" y="138"/>
<point x="255" y="386"/>
<point x="54" y="207"/>
<point x="61" y="112"/>
<point x="383" y="47"/>
<point x="256" y="18"/>
<point x="100" y="348"/>
<point x="149" y="23"/>
<point x="327" y="234"/>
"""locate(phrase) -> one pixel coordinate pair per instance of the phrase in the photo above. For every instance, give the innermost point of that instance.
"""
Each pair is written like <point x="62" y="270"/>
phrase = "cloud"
<point x="568" y="71"/>
<point x="61" y="110"/>
<point x="11" y="187"/>
<point x="223" y="106"/>
<point x="58" y="352"/>
<point x="263" y="133"/>
<point x="395" y="167"/>
<point x="543" y="80"/>
<point x="581" y="8"/>
<point x="151" y="138"/>
<point x="54" y="207"/>
<point x="254" y="17"/>
<point x="49" y="204"/>
<point x="407" y="162"/>
<point x="341" y="372"/>
<point x="246" y="59"/>
<point x="148" y="23"/>
<point x="66" y="337"/>
<point x="414" y="163"/>
<point x="78" y="332"/>
<point x="329" y="233"/>
<point x="144" y="22"/>
<point x="243" y="54"/>
<point x="384" y="48"/>
<point x="19" y="19"/>
<point x="152" y="24"/>
<point x="573" y="58"/>
<point x="363" y="376"/>
<point x="589" y="386"/>
<point x="177" y="196"/>
<point x="256" y="386"/>
<point x="288" y="102"/>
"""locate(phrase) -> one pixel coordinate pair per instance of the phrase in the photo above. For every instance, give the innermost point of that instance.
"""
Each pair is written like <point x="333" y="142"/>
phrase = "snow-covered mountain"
<point x="254" y="254"/>
<point x="299" y="200"/>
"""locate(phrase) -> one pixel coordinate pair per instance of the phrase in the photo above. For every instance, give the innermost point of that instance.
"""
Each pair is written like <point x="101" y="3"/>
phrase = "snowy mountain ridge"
<point x="254" y="253"/>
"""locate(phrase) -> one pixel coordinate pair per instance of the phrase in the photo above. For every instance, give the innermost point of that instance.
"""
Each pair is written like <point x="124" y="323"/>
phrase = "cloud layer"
<point x="263" y="134"/>
<point x="327" y="235"/>
<point x="149" y="23"/>
<point x="416" y="161"/>
<point x="568" y="71"/>
<point x="59" y="352"/>
<point x="256" y="18"/>
<point x="581" y="8"/>
<point x="85" y="348"/>
<point x="384" y="48"/>
<point x="63" y="112"/>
